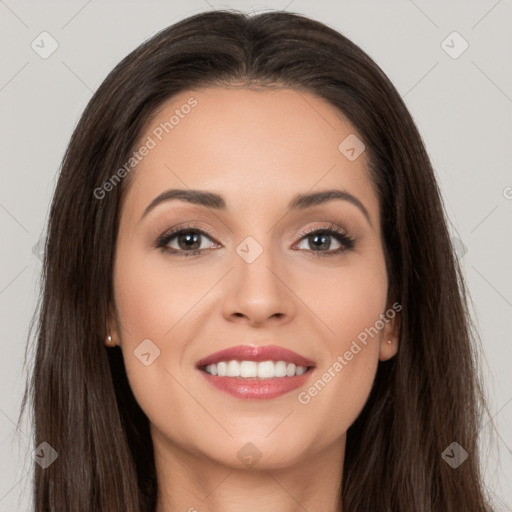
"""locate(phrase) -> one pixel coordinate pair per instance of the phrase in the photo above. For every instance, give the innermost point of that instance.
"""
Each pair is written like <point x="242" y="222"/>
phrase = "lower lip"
<point x="257" y="389"/>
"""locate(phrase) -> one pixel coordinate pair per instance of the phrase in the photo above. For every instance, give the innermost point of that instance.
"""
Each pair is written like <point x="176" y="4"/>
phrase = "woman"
<point x="250" y="295"/>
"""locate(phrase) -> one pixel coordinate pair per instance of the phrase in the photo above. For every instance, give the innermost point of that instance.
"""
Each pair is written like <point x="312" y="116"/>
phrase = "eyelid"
<point x="163" y="239"/>
<point x="342" y="236"/>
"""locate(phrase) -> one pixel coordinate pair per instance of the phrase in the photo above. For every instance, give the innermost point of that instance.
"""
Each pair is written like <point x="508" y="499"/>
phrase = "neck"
<point x="191" y="483"/>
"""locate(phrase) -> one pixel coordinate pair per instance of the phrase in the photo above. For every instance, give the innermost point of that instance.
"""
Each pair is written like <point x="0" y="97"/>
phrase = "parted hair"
<point x="425" y="398"/>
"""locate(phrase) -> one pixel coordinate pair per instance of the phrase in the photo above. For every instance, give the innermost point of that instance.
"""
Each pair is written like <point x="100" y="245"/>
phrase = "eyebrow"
<point x="216" y="202"/>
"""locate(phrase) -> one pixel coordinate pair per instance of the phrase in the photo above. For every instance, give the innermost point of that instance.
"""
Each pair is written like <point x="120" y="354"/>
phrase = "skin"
<point x="258" y="149"/>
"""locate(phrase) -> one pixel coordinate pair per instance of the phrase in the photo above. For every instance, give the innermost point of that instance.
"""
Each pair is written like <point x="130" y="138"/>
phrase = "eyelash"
<point x="346" y="240"/>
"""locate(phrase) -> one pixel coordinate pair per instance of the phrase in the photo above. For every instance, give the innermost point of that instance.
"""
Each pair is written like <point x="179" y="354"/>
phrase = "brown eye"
<point x="320" y="240"/>
<point x="187" y="241"/>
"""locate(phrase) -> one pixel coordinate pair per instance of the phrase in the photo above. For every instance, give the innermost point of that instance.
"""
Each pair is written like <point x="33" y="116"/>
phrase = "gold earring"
<point x="109" y="341"/>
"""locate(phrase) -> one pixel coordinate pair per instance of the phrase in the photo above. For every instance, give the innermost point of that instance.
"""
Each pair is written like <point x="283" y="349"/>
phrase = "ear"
<point x="388" y="340"/>
<point x="112" y="328"/>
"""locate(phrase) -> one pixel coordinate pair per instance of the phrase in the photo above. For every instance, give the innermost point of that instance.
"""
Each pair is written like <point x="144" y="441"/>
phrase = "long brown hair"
<point x="425" y="398"/>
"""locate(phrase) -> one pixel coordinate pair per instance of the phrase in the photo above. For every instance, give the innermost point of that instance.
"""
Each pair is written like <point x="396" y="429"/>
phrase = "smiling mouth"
<point x="252" y="380"/>
<point x="261" y="370"/>
<point x="256" y="371"/>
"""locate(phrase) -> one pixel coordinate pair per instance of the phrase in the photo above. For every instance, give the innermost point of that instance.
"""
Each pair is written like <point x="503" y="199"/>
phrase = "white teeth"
<point x="252" y="369"/>
<point x="248" y="369"/>
<point x="290" y="370"/>
<point x="266" y="369"/>
<point x="280" y="369"/>
<point x="221" y="368"/>
<point x="233" y="369"/>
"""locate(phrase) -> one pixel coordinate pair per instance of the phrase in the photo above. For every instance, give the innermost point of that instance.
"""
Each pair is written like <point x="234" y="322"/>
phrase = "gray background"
<point x="463" y="108"/>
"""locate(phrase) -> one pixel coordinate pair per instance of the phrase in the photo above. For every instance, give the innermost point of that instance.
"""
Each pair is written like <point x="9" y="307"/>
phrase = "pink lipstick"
<point x="256" y="372"/>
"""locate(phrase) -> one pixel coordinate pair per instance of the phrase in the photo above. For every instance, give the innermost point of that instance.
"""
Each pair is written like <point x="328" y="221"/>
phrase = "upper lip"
<point x="256" y="353"/>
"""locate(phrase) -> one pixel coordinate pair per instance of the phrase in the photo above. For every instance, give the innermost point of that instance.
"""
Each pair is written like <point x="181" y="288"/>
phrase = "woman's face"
<point x="257" y="280"/>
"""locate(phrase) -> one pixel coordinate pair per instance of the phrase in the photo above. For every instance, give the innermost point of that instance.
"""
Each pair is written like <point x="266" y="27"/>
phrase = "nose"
<point x="257" y="293"/>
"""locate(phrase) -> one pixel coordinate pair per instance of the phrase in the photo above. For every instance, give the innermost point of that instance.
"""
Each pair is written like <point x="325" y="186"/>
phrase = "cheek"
<point x="156" y="302"/>
<point x="149" y="306"/>
<point x="152" y="297"/>
<point x="358" y="303"/>
<point x="354" y="299"/>
<point x="349" y="300"/>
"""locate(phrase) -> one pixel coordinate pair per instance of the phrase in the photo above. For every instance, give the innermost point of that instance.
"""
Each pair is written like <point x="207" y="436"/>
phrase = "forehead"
<point x="253" y="146"/>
